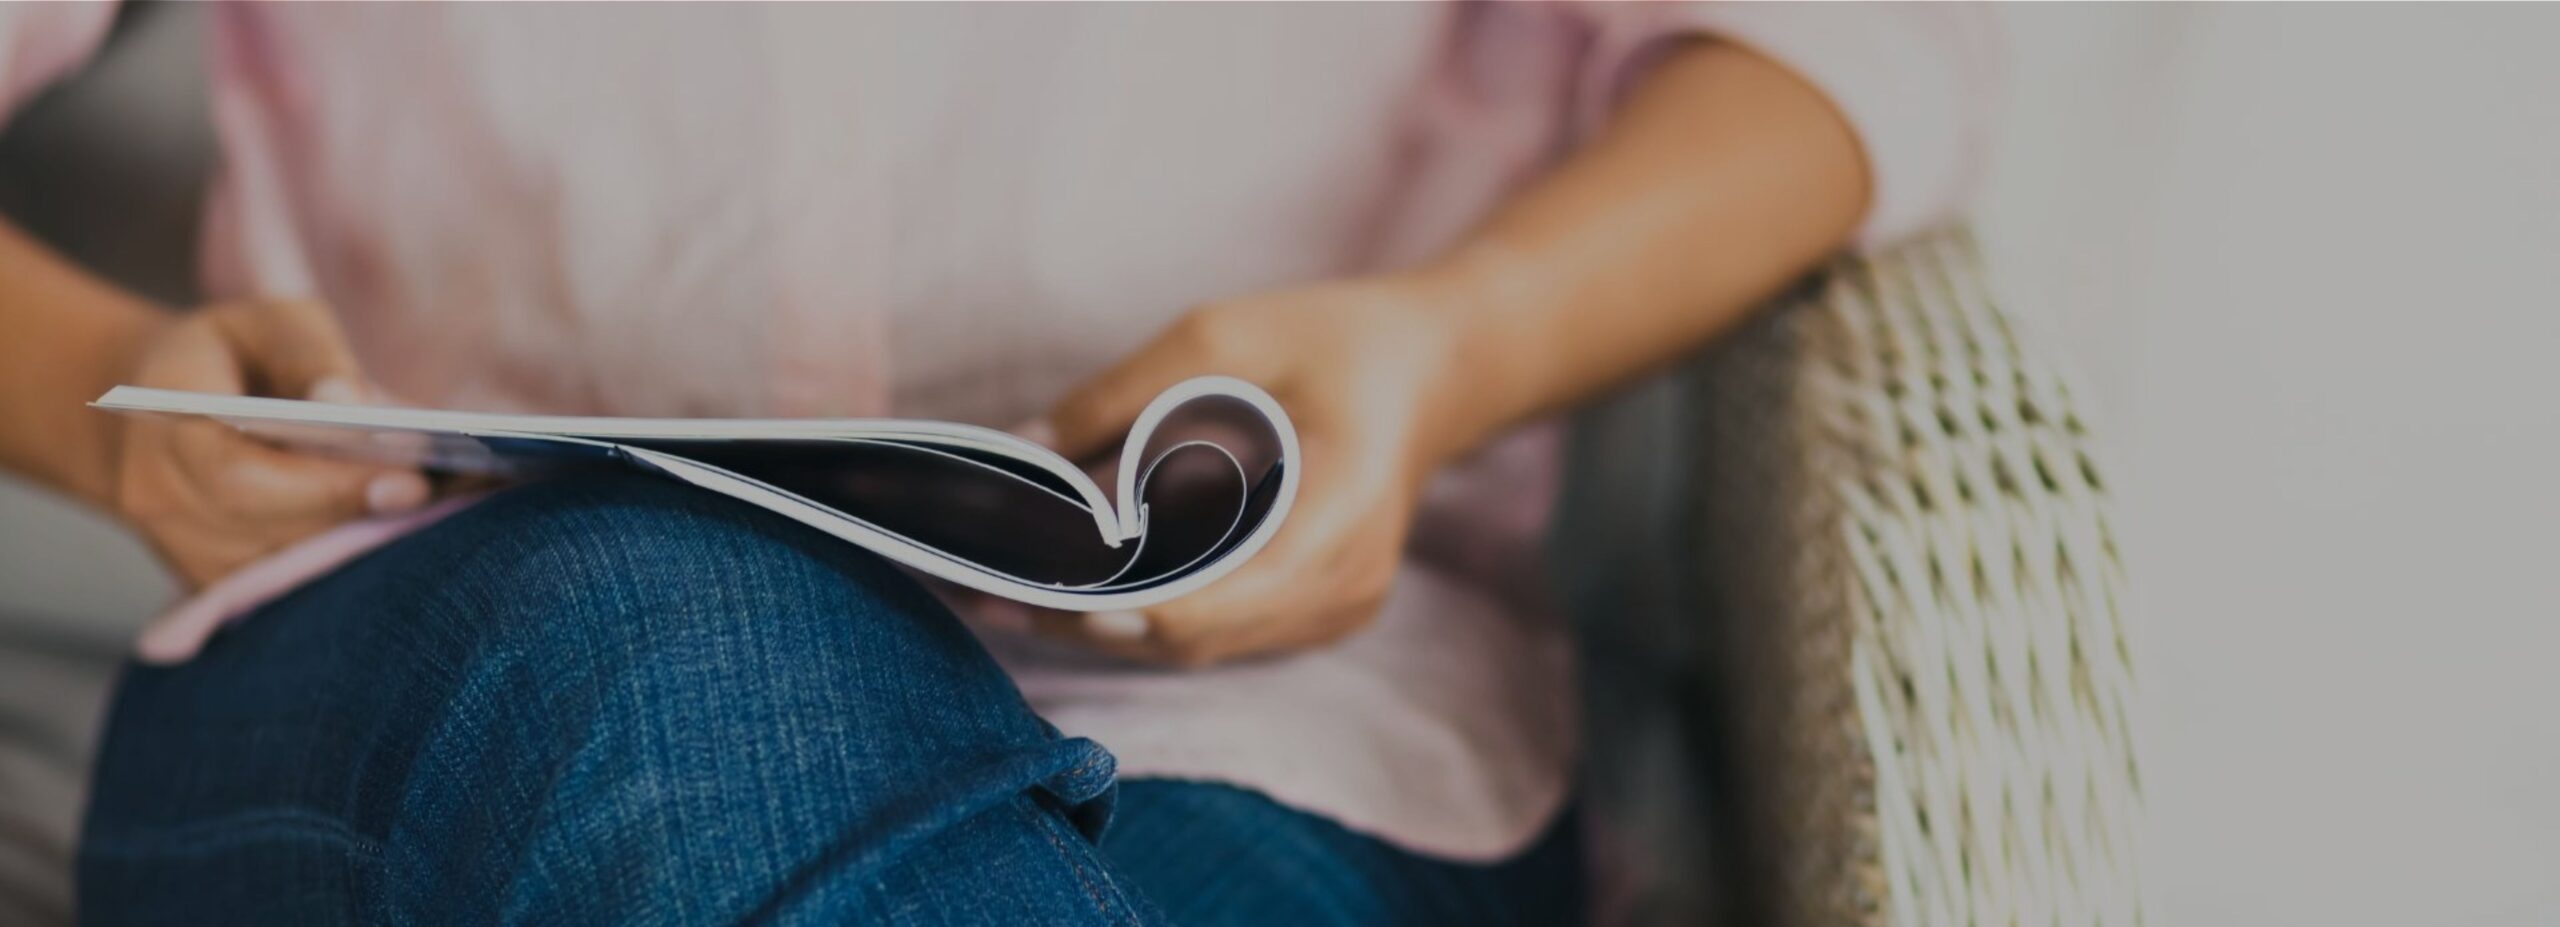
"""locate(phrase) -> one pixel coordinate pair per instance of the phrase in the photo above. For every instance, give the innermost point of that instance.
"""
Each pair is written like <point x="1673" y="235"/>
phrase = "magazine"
<point x="1202" y="481"/>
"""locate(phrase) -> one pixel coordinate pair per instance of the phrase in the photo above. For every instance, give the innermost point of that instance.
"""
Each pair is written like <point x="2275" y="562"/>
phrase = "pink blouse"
<point x="958" y="212"/>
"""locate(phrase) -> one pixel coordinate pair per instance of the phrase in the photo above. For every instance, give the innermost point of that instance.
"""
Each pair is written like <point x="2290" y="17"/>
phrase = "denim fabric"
<point x="620" y="701"/>
<point x="1218" y="855"/>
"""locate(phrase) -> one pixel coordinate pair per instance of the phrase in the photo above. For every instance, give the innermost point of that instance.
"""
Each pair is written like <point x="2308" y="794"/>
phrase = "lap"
<point x="1210" y="854"/>
<point x="613" y="695"/>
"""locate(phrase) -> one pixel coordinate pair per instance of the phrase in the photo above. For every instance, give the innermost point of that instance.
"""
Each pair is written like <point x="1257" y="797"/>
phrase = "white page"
<point x="524" y="444"/>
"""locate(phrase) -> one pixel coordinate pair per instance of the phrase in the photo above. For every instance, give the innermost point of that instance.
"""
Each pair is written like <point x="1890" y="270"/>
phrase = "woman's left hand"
<point x="1370" y="372"/>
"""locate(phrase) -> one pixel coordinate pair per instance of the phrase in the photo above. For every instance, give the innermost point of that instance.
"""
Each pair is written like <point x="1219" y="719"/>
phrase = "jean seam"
<point x="196" y="837"/>
<point x="1093" y="888"/>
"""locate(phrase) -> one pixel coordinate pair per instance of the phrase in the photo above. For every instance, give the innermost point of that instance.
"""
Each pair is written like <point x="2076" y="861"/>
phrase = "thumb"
<point x="1099" y="412"/>
<point x="274" y="482"/>
<point x="290" y="348"/>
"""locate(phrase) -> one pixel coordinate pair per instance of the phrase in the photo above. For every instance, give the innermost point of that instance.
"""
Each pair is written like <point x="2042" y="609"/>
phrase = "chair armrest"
<point x="1902" y="679"/>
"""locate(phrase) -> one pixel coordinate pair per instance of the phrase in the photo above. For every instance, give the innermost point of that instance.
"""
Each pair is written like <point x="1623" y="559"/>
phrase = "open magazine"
<point x="1204" y="478"/>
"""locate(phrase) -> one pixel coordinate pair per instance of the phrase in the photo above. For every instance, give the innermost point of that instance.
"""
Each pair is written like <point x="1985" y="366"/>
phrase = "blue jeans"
<point x="619" y="701"/>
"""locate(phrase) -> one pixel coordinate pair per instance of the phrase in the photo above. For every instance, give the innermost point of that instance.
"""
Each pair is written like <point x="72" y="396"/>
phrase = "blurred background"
<point x="2307" y="258"/>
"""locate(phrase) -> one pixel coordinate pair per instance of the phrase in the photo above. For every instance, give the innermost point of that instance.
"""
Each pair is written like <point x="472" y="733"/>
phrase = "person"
<point x="1423" y="228"/>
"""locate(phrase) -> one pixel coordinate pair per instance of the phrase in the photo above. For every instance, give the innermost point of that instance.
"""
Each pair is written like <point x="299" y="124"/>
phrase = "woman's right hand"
<point x="210" y="499"/>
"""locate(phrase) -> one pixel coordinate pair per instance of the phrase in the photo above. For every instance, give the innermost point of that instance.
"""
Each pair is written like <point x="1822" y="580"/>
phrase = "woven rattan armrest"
<point x="1885" y="654"/>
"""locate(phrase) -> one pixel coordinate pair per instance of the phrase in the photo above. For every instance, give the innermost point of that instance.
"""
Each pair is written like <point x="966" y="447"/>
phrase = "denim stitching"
<point x="195" y="837"/>
<point x="1084" y="877"/>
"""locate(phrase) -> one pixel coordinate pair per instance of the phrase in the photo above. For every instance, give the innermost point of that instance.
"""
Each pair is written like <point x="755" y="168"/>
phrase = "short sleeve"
<point x="1918" y="82"/>
<point x="42" y="42"/>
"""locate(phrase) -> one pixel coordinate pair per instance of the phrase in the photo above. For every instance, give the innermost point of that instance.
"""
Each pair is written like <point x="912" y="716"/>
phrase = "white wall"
<point x="2309" y="256"/>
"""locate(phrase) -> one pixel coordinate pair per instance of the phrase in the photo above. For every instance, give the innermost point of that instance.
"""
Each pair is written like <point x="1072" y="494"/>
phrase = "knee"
<point x="625" y="659"/>
<point x="619" y="541"/>
<point x="641" y="579"/>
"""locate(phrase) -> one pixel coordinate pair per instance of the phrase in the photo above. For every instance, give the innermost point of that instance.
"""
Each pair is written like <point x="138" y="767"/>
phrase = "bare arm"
<point x="207" y="499"/>
<point x="1722" y="178"/>
<point x="65" y="337"/>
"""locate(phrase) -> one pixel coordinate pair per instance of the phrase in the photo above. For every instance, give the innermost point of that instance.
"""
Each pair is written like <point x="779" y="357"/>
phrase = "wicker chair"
<point x="1888" y="647"/>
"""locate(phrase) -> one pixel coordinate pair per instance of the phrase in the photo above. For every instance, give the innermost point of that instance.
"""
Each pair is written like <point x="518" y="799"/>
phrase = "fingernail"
<point x="1120" y="625"/>
<point x="392" y="493"/>
<point x="1037" y="431"/>
<point x="336" y="389"/>
<point x="165" y="643"/>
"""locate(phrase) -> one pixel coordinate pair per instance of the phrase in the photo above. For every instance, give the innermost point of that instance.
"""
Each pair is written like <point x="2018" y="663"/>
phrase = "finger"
<point x="1304" y="588"/>
<point x="246" y="475"/>
<point x="1252" y="611"/>
<point x="1127" y="635"/>
<point x="291" y="348"/>
<point x="251" y="478"/>
<point x="1172" y="635"/>
<point x="1319" y="579"/>
<point x="1190" y="633"/>
<point x="1099" y="412"/>
<point x="192" y="357"/>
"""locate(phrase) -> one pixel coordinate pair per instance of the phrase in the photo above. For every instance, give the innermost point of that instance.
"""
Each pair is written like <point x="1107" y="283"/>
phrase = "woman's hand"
<point x="1721" y="177"/>
<point x="1370" y="373"/>
<point x="210" y="499"/>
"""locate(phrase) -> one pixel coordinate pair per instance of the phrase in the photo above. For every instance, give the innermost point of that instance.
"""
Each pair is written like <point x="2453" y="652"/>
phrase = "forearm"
<point x="1722" y="178"/>
<point x="65" y="337"/>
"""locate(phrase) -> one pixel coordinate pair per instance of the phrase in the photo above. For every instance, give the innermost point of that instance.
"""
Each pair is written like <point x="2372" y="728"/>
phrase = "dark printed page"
<point x="1209" y="474"/>
<point x="1201" y="484"/>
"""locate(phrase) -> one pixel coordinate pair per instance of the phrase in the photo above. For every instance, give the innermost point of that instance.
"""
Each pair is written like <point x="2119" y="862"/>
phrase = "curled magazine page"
<point x="1204" y="477"/>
